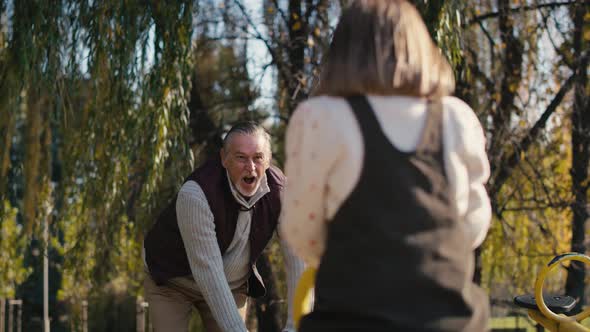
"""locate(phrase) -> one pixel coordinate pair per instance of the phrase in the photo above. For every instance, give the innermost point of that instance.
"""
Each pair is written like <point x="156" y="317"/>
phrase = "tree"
<point x="522" y="107"/>
<point x="95" y="94"/>
<point x="580" y="147"/>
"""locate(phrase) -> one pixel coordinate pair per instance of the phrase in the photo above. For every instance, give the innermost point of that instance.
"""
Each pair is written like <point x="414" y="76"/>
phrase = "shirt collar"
<point x="247" y="203"/>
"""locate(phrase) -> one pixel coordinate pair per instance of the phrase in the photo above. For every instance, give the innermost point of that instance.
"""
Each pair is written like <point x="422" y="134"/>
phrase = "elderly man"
<point x="202" y="250"/>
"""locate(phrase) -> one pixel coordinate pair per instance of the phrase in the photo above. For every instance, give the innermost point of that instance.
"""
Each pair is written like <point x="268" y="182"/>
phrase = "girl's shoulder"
<point x="323" y="104"/>
<point x="457" y="111"/>
<point x="323" y="111"/>
<point x="456" y="105"/>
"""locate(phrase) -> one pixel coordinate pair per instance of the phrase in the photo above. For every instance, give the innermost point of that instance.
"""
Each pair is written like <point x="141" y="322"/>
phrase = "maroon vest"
<point x="164" y="250"/>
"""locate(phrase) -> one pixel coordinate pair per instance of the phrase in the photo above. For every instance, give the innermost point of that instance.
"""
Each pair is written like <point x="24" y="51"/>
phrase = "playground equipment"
<point x="303" y="298"/>
<point x="548" y="310"/>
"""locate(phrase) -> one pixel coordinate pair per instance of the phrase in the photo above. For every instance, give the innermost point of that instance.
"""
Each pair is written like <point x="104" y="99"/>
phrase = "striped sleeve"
<point x="195" y="221"/>
<point x="294" y="267"/>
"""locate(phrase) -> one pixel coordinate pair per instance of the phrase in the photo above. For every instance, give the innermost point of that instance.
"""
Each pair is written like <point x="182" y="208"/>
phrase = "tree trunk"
<point x="298" y="27"/>
<point x="580" y="157"/>
<point x="203" y="129"/>
<point x="501" y="114"/>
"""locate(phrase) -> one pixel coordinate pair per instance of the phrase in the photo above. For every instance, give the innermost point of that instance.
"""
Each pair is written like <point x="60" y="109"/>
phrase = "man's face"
<point x="246" y="158"/>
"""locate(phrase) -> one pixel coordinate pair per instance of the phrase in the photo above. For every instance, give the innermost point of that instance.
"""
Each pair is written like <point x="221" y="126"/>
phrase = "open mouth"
<point x="249" y="179"/>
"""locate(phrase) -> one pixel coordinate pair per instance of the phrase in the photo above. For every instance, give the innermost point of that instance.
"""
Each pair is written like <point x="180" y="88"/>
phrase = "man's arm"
<point x="294" y="267"/>
<point x="197" y="228"/>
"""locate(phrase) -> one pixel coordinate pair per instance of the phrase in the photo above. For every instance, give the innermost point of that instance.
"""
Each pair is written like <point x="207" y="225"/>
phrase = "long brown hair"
<point x="382" y="47"/>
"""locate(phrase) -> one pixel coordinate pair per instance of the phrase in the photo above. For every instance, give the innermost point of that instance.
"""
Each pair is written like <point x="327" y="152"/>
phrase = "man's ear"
<point x="222" y="155"/>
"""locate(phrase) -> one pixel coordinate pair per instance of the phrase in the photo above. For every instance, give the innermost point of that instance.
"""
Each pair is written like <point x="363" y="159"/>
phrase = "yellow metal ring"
<point x="571" y="256"/>
<point x="302" y="300"/>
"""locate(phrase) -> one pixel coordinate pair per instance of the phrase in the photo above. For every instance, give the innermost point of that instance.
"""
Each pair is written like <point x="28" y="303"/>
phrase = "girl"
<point x="386" y="174"/>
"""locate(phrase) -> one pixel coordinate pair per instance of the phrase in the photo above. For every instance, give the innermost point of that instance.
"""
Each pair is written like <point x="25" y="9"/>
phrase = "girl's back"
<point x="386" y="196"/>
<point x="382" y="214"/>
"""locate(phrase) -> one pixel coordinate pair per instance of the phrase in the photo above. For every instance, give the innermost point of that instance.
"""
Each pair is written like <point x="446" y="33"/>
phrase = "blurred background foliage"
<point x="105" y="106"/>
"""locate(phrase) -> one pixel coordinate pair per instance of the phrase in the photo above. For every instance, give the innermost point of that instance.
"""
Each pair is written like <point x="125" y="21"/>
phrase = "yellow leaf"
<point x="270" y="10"/>
<point x="98" y="151"/>
<point x="296" y="26"/>
<point x="522" y="124"/>
<point x="317" y="32"/>
<point x="512" y="87"/>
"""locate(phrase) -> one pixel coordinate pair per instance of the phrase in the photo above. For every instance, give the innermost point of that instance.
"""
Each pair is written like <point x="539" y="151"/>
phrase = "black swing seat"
<point x="559" y="304"/>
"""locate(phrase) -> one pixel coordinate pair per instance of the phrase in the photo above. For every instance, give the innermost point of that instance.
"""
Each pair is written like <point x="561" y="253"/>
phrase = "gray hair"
<point x="247" y="128"/>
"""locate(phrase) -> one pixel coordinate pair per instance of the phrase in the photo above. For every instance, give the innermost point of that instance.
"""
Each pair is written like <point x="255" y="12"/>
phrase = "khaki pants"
<point x="170" y="305"/>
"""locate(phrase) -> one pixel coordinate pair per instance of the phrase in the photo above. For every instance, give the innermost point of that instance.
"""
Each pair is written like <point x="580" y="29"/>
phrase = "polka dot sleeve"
<point x="310" y="154"/>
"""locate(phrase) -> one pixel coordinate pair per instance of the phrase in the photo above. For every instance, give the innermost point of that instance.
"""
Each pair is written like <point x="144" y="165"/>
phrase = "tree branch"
<point x="258" y="35"/>
<point x="285" y="20"/>
<point x="564" y="58"/>
<point x="488" y="83"/>
<point x="311" y="7"/>
<point x="508" y="164"/>
<point x="486" y="16"/>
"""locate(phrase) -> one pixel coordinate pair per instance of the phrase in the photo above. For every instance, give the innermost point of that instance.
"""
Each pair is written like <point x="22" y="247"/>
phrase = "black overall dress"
<point x="397" y="258"/>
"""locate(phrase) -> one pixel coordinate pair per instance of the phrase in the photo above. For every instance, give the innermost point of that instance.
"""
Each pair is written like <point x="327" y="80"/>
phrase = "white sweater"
<point x="215" y="274"/>
<point x="324" y="151"/>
